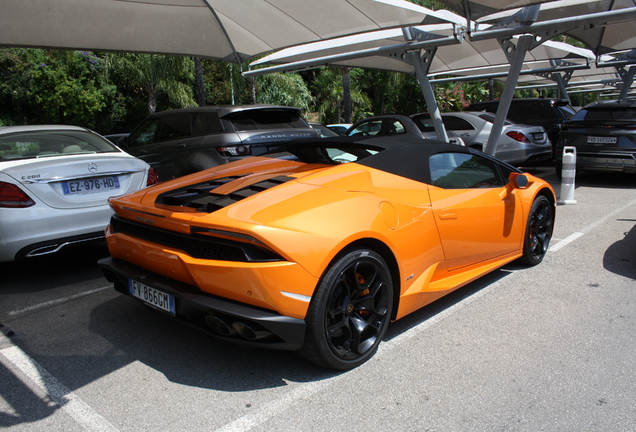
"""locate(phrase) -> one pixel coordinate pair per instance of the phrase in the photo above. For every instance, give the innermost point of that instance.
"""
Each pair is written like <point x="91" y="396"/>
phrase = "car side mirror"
<point x="519" y="181"/>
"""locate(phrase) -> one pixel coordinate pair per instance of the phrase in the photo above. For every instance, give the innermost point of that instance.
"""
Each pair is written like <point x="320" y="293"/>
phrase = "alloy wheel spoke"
<point x="364" y="335"/>
<point x="373" y="301"/>
<point x="365" y="276"/>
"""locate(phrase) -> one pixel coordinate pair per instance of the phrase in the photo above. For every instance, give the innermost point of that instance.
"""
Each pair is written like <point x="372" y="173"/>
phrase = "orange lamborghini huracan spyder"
<point x="319" y="246"/>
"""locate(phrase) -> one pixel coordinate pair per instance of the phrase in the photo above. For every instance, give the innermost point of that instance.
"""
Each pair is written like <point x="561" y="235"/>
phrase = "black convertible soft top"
<point x="404" y="156"/>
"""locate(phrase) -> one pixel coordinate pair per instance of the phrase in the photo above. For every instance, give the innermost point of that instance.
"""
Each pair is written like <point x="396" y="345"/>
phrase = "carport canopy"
<point x="229" y="30"/>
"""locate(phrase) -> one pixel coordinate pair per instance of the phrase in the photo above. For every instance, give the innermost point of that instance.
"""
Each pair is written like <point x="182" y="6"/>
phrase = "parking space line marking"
<point x="57" y="301"/>
<point x="69" y="402"/>
<point x="277" y="406"/>
<point x="572" y="237"/>
<point x="566" y="241"/>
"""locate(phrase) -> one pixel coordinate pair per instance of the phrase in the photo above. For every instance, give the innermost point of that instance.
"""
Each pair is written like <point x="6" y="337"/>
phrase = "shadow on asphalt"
<point x="430" y="311"/>
<point x="132" y="332"/>
<point x="191" y="357"/>
<point x="620" y="258"/>
<point x="27" y="407"/>
<point x="72" y="264"/>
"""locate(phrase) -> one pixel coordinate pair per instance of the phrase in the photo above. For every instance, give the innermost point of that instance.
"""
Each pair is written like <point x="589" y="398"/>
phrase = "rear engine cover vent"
<point x="201" y="196"/>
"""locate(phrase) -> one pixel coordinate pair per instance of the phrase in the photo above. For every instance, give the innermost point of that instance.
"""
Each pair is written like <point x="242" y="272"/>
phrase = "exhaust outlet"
<point x="250" y="333"/>
<point x="219" y="326"/>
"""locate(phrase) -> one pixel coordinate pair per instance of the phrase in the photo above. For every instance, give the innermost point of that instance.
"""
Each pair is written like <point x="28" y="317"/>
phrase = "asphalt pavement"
<point x="547" y="348"/>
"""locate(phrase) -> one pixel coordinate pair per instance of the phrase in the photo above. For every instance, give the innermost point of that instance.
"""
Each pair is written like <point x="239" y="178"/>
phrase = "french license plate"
<point x="90" y="185"/>
<point x="601" y="140"/>
<point x="152" y="296"/>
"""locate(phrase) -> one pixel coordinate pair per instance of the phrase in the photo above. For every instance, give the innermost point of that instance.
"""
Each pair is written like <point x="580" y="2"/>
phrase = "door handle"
<point x="448" y="215"/>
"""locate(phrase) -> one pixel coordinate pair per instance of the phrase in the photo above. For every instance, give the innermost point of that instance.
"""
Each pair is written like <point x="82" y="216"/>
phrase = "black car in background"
<point x="184" y="141"/>
<point x="549" y="113"/>
<point x="604" y="135"/>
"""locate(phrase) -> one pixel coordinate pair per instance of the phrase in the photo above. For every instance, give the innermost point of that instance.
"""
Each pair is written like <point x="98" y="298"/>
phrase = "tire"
<point x="538" y="231"/>
<point x="349" y="312"/>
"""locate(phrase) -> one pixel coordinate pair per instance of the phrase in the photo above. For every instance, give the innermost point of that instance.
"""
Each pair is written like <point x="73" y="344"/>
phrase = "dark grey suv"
<point x="604" y="135"/>
<point x="184" y="141"/>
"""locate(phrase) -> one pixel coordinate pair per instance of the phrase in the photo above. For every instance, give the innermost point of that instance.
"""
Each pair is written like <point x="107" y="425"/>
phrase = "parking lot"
<point x="548" y="348"/>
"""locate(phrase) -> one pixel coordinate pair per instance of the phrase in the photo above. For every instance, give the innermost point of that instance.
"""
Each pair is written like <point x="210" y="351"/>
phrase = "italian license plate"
<point x="152" y="296"/>
<point x="90" y="185"/>
<point x="601" y="140"/>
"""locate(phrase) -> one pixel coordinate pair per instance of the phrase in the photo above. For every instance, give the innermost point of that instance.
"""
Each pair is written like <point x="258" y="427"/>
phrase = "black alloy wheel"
<point x="538" y="231"/>
<point x="350" y="311"/>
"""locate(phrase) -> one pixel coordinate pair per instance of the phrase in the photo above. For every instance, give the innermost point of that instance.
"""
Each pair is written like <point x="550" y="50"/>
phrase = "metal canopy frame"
<point x="420" y="49"/>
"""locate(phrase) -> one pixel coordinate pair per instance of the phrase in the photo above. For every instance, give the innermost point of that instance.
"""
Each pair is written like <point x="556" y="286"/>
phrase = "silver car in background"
<point x="397" y="124"/>
<point x="518" y="145"/>
<point x="55" y="182"/>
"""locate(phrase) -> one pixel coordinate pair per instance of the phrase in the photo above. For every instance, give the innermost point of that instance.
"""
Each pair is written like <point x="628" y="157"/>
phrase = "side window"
<point x="455" y="123"/>
<point x="367" y="128"/>
<point x="175" y="127"/>
<point x="145" y="133"/>
<point x="206" y="123"/>
<point x="392" y="127"/>
<point x="464" y="171"/>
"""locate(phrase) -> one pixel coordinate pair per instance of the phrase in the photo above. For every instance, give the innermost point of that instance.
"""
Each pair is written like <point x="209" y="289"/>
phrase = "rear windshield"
<point x="31" y="145"/>
<point x="490" y="118"/>
<point x="604" y="114"/>
<point x="424" y="123"/>
<point x="266" y="119"/>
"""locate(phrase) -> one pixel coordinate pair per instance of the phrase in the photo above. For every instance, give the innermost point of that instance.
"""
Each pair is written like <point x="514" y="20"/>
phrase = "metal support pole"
<point x="508" y="90"/>
<point x="421" y="71"/>
<point x="628" y="79"/>
<point x="563" y="91"/>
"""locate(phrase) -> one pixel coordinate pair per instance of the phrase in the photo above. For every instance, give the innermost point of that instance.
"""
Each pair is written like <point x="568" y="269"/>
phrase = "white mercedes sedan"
<point x="55" y="182"/>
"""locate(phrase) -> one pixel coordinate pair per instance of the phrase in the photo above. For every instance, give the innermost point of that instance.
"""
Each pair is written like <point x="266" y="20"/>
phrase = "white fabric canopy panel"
<point x="462" y="59"/>
<point x="600" y="39"/>
<point x="230" y="30"/>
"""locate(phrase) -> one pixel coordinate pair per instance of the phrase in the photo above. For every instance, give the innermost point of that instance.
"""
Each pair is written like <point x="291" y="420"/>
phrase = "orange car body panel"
<point x="432" y="233"/>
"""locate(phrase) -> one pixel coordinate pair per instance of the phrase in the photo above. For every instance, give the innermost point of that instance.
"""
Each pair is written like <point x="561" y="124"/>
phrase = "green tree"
<point x="392" y="92"/>
<point x="328" y="90"/>
<point x="157" y="75"/>
<point x="224" y="84"/>
<point x="283" y="89"/>
<point x="45" y="86"/>
<point x="458" y="95"/>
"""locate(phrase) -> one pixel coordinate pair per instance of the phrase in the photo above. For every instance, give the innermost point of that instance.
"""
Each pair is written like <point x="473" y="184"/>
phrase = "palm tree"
<point x="329" y="90"/>
<point x="157" y="74"/>
<point x="283" y="89"/>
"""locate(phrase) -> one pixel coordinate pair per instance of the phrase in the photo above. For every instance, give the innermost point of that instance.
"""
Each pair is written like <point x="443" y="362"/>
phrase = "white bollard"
<point x="568" y="173"/>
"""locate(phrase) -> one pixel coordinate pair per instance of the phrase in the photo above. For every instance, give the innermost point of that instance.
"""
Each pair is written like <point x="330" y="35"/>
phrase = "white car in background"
<point x="55" y="182"/>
